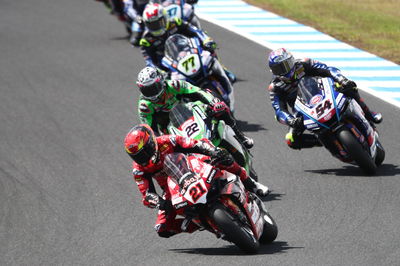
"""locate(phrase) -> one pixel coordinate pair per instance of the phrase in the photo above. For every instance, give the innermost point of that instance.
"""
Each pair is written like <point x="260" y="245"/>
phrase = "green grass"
<point x="371" y="25"/>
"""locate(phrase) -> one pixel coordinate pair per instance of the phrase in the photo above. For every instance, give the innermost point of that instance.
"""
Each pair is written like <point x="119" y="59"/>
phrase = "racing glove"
<point x="221" y="156"/>
<point x="152" y="200"/>
<point x="347" y="85"/>
<point x="296" y="122"/>
<point x="139" y="19"/>
<point x="218" y="107"/>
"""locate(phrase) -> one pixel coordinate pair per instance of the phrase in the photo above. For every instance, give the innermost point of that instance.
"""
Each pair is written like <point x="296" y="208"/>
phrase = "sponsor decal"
<point x="316" y="99"/>
<point x="211" y="176"/>
<point x="163" y="147"/>
<point x="176" y="85"/>
<point x="181" y="205"/>
<point x="173" y="140"/>
<point x="137" y="172"/>
<point x="187" y="183"/>
<point x="144" y="108"/>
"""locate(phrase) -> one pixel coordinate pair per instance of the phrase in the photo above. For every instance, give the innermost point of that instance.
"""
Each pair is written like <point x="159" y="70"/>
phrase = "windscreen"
<point x="179" y="114"/>
<point x="176" y="166"/>
<point x="177" y="46"/>
<point x="308" y="88"/>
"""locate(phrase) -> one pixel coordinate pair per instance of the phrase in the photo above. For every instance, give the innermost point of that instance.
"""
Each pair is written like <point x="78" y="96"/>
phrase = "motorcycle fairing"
<point x="354" y="110"/>
<point x="189" y="120"/>
<point x="234" y="188"/>
<point x="186" y="58"/>
<point x="318" y="104"/>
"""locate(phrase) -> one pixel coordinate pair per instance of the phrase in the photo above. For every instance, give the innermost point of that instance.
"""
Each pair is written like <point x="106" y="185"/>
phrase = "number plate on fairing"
<point x="173" y="11"/>
<point x="320" y="108"/>
<point x="189" y="65"/>
<point x="196" y="192"/>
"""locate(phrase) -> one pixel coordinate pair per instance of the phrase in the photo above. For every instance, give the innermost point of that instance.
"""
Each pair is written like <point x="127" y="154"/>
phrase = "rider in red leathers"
<point x="148" y="153"/>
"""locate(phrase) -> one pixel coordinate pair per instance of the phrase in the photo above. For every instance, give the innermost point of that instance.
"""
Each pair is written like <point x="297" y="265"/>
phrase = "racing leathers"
<point x="167" y="224"/>
<point x="152" y="47"/>
<point x="283" y="93"/>
<point x="156" y="115"/>
<point x="186" y="10"/>
<point x="133" y="10"/>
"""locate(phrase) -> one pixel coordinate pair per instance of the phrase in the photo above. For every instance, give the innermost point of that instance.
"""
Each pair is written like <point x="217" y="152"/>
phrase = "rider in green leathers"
<point x="159" y="96"/>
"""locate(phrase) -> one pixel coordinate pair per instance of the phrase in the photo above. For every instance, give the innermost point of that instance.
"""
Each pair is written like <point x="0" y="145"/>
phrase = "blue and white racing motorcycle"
<point x="339" y="123"/>
<point x="180" y="9"/>
<point x="186" y="59"/>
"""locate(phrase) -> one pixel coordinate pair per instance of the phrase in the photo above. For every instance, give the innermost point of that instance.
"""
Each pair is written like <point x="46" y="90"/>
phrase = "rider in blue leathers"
<point x="158" y="27"/>
<point x="287" y="71"/>
<point x="133" y="10"/>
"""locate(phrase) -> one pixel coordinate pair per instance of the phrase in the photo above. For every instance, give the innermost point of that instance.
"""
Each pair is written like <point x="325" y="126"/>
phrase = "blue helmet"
<point x="281" y="62"/>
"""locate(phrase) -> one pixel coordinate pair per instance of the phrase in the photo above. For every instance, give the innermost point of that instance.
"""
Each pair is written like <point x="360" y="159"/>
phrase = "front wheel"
<point x="356" y="151"/>
<point x="253" y="173"/>
<point x="234" y="231"/>
<point x="270" y="230"/>
<point x="380" y="153"/>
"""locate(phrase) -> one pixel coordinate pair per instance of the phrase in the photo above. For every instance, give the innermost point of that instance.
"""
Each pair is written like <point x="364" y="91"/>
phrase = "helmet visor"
<point x="156" y="25"/>
<point x="283" y="67"/>
<point x="152" y="92"/>
<point x="144" y="155"/>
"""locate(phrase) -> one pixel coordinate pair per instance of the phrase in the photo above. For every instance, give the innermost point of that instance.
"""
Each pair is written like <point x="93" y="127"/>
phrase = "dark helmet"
<point x="281" y="62"/>
<point x="141" y="144"/>
<point x="151" y="83"/>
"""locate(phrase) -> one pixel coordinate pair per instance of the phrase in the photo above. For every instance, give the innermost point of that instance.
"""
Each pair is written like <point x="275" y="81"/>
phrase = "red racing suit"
<point x="166" y="224"/>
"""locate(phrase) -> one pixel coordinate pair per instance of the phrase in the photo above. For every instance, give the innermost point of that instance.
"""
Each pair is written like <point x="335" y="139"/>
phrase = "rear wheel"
<point x="235" y="231"/>
<point x="356" y="151"/>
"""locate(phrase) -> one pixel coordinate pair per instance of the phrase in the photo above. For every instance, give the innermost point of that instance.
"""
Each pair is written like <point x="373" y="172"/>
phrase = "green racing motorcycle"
<point x="192" y="120"/>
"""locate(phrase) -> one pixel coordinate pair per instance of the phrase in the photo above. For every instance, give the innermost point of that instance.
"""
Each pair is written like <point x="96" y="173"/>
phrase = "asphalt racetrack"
<point x="66" y="193"/>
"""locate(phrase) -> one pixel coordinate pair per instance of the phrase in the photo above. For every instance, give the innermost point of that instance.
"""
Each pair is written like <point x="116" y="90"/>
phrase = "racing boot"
<point x="371" y="116"/>
<point x="296" y="140"/>
<point x="247" y="142"/>
<point x="231" y="76"/>
<point x="374" y="117"/>
<point x="136" y="36"/>
<point x="253" y="186"/>
<point x="135" y="40"/>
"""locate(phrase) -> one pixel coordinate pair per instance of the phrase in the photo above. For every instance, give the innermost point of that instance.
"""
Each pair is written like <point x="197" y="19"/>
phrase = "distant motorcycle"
<point x="186" y="59"/>
<point x="339" y="122"/>
<point x="193" y="121"/>
<point x="181" y="9"/>
<point x="217" y="201"/>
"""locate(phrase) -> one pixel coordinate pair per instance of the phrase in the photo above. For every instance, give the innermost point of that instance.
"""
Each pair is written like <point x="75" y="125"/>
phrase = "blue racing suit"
<point x="152" y="47"/>
<point x="283" y="93"/>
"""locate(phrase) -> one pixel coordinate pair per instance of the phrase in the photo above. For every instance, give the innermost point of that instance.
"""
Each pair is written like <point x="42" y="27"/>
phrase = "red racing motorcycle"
<point x="217" y="201"/>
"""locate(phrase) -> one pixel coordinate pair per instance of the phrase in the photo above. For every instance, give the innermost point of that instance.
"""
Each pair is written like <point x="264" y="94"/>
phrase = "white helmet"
<point x="155" y="19"/>
<point x="151" y="83"/>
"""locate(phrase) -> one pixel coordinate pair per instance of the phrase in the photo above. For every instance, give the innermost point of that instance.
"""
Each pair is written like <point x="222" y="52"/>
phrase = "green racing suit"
<point x="156" y="115"/>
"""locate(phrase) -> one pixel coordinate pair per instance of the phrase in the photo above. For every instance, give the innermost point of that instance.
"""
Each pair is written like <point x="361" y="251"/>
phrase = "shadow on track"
<point x="272" y="196"/>
<point x="245" y="126"/>
<point x="274" y="247"/>
<point x="350" y="170"/>
<point x="124" y="38"/>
